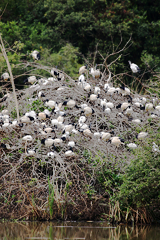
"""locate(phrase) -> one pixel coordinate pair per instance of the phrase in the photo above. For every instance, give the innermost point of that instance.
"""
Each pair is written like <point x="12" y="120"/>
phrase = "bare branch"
<point x="11" y="76"/>
<point x="3" y="10"/>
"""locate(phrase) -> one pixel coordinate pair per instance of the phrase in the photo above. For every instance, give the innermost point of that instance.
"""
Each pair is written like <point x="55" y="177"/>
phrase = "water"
<point x="75" y="230"/>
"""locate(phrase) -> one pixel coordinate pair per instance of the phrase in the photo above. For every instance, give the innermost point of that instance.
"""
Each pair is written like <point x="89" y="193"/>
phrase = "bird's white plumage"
<point x="5" y="76"/>
<point x="27" y="138"/>
<point x="132" y="145"/>
<point x="134" y="67"/>
<point x="142" y="135"/>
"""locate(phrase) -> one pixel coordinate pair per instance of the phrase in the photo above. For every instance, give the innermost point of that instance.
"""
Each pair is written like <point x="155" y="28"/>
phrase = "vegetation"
<point x="99" y="182"/>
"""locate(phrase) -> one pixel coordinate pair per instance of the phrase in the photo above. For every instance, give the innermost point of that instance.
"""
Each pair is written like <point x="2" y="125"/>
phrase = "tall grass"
<point x="51" y="198"/>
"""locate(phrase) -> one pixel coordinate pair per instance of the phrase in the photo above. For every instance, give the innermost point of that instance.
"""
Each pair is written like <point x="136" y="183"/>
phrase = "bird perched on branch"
<point x="88" y="111"/>
<point x="132" y="145"/>
<point x="54" y="72"/>
<point x="26" y="119"/>
<point x="43" y="115"/>
<point x="81" y="78"/>
<point x="97" y="90"/>
<point x="134" y="67"/>
<point x="83" y="69"/>
<point x="27" y="138"/>
<point x="50" y="103"/>
<point x="124" y="90"/>
<point x="31" y="79"/>
<point x="148" y="107"/>
<point x="41" y="94"/>
<point x="71" y="144"/>
<point x="5" y="76"/>
<point x="36" y="55"/>
<point x="123" y="105"/>
<point x="116" y="141"/>
<point x="31" y="152"/>
<point x="105" y="136"/>
<point x="70" y="104"/>
<point x="5" y="97"/>
<point x="5" y="146"/>
<point x="51" y="154"/>
<point x="95" y="73"/>
<point x="142" y="135"/>
<point x="69" y="153"/>
<point x="48" y="142"/>
<point x="86" y="86"/>
<point x="93" y="97"/>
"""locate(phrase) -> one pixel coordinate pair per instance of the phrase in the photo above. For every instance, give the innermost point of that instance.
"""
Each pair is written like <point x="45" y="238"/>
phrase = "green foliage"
<point x="141" y="181"/>
<point x="110" y="178"/>
<point x="63" y="30"/>
<point x="51" y="198"/>
<point x="90" y="191"/>
<point x="38" y="106"/>
<point x="14" y="114"/>
<point x="150" y="60"/>
<point x="66" y="59"/>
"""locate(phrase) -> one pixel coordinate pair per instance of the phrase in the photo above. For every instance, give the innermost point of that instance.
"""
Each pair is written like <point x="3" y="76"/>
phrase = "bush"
<point x="141" y="181"/>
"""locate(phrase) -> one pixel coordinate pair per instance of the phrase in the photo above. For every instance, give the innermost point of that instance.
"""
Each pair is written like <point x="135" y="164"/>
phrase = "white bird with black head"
<point x="36" y="55"/>
<point x="134" y="67"/>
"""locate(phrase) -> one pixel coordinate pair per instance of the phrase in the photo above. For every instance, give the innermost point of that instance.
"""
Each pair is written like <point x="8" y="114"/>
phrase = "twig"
<point x="4" y="10"/>
<point x="11" y="76"/>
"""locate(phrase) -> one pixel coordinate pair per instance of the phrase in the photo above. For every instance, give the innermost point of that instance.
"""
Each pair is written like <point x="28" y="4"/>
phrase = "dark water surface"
<point x="76" y="230"/>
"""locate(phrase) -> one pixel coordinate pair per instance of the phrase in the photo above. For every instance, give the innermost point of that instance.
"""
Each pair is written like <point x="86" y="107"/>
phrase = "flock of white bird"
<point x="84" y="110"/>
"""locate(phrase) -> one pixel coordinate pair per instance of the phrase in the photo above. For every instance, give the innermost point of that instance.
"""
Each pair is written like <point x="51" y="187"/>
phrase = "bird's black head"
<point x="121" y="139"/>
<point x="122" y="87"/>
<point x="130" y="119"/>
<point x="129" y="98"/>
<point x="3" y="145"/>
<point x="54" y="147"/>
<point x="111" y="132"/>
<point x="64" y="103"/>
<point x="77" y="107"/>
<point x="38" y="56"/>
<point x="63" y="138"/>
<point x="26" y="80"/>
<point x="43" y="141"/>
<point x="56" y="73"/>
<point x="31" y="118"/>
<point x="93" y="111"/>
<point x="118" y="106"/>
<point x="71" y="148"/>
<point x="63" y="131"/>
<point x="142" y="107"/>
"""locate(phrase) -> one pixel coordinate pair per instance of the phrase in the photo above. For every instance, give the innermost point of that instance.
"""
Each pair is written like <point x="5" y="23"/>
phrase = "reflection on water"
<point x="75" y="230"/>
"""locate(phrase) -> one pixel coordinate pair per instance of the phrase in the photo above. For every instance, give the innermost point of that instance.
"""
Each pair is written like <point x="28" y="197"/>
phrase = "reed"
<point x="51" y="198"/>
